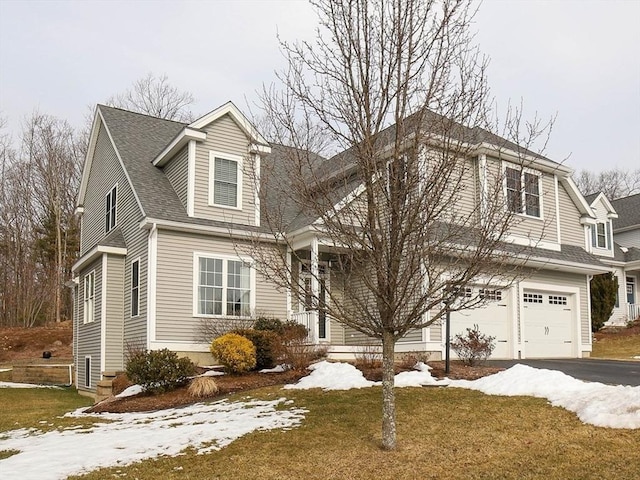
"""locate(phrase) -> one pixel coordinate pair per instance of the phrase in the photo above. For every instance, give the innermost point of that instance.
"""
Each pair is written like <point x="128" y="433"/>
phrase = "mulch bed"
<point x="228" y="384"/>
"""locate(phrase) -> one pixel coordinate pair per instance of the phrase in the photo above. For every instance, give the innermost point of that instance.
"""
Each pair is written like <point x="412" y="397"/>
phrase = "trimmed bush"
<point x="158" y="370"/>
<point x="474" y="347"/>
<point x="269" y="324"/>
<point x="235" y="352"/>
<point x="266" y="343"/>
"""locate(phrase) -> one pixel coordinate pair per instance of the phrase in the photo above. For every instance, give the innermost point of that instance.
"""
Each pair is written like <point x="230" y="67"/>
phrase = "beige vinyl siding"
<point x="114" y="313"/>
<point x="88" y="342"/>
<point x="337" y="295"/>
<point x="628" y="239"/>
<point x="414" y="335"/>
<point x="175" y="285"/>
<point x="177" y="171"/>
<point x="435" y="331"/>
<point x="571" y="231"/>
<point x="565" y="279"/>
<point x="224" y="136"/>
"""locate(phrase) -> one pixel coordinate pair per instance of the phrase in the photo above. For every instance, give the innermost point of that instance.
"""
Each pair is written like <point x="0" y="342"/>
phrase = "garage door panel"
<point x="548" y="324"/>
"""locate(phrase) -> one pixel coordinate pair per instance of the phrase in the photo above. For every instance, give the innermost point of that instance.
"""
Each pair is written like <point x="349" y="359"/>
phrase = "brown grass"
<point x="25" y="345"/>
<point x="619" y="343"/>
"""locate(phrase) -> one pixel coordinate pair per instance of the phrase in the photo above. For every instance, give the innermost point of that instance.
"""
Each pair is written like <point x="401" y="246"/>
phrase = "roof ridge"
<point x="141" y="114"/>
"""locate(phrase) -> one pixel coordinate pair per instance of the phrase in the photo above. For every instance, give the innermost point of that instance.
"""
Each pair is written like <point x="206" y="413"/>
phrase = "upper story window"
<point x="523" y="192"/>
<point x="225" y="182"/>
<point x="223" y="287"/>
<point x="89" y="296"/>
<point x="110" y="209"/>
<point x="601" y="235"/>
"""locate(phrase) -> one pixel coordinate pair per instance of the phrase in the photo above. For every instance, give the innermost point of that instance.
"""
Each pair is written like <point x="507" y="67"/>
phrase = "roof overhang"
<point x="95" y="253"/>
<point x="577" y="197"/>
<point x="186" y="134"/>
<point x="148" y="223"/>
<point x="518" y="157"/>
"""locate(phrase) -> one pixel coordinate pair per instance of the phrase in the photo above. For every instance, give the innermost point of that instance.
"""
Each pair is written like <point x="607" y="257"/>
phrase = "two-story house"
<point x="615" y="239"/>
<point x="164" y="205"/>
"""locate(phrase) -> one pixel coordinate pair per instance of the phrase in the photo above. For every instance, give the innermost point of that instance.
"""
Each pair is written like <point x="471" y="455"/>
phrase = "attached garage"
<point x="549" y="324"/>
<point x="493" y="318"/>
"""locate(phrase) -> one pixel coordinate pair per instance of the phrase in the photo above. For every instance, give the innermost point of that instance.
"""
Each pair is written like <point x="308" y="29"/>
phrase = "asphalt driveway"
<point x="613" y="372"/>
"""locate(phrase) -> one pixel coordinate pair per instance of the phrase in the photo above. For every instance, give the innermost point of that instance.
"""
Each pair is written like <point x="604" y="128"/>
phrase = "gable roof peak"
<point x="234" y="112"/>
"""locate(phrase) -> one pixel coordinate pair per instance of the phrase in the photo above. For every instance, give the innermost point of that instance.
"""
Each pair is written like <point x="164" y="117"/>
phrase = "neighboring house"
<point x="615" y="238"/>
<point x="162" y="203"/>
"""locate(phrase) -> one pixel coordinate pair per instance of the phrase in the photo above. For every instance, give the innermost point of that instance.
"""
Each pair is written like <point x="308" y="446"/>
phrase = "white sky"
<point x="206" y="427"/>
<point x="580" y="59"/>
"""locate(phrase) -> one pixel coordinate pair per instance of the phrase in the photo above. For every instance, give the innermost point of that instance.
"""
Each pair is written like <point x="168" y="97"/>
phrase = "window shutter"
<point x="594" y="239"/>
<point x="608" y="233"/>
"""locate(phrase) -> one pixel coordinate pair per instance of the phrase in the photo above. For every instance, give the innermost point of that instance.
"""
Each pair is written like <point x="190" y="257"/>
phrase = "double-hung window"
<point x="110" y="209"/>
<point x="135" y="288"/>
<point x="523" y="192"/>
<point x="600" y="233"/>
<point x="89" y="296"/>
<point x="225" y="182"/>
<point x="223" y="287"/>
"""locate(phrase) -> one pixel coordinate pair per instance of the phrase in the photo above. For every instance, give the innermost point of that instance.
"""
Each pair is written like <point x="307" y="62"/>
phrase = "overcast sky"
<point x="579" y="59"/>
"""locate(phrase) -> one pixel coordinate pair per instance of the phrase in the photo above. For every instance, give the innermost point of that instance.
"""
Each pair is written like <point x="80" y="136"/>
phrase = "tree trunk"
<point x="388" y="394"/>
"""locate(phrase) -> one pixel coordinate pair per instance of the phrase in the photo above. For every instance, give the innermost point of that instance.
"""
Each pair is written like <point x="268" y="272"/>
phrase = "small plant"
<point x="201" y="387"/>
<point x="474" y="347"/>
<point x="369" y="356"/>
<point x="409" y="360"/>
<point x="266" y="343"/>
<point x="235" y="352"/>
<point x="158" y="370"/>
<point x="269" y="324"/>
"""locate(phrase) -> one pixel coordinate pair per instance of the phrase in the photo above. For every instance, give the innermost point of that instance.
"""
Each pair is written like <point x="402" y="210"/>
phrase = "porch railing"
<point x="310" y="320"/>
<point x="634" y="311"/>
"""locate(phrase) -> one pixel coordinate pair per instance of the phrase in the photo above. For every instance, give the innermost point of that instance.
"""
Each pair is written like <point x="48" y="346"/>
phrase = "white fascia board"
<point x="182" y="139"/>
<point x="88" y="159"/>
<point x="256" y="148"/>
<point x="350" y="197"/>
<point x="587" y="220"/>
<point x="532" y="242"/>
<point x="565" y="266"/>
<point x="514" y="156"/>
<point x="79" y="210"/>
<point x="602" y="198"/>
<point x="94" y="253"/>
<point x="238" y="117"/>
<point x="576" y="196"/>
<point x="627" y="229"/>
<point x="147" y="223"/>
<point x="126" y="174"/>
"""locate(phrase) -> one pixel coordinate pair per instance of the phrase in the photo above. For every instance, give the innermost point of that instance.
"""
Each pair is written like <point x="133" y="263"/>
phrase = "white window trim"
<point x="523" y="199"/>
<point x="85" y="311"/>
<point x="239" y="177"/>
<point x="137" y="260"/>
<point x="225" y="258"/>
<point x="115" y="208"/>
<point x="608" y="235"/>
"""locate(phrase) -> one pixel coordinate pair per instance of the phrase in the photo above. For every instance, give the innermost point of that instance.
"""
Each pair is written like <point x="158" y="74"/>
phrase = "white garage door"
<point x="491" y="319"/>
<point x="548" y="324"/>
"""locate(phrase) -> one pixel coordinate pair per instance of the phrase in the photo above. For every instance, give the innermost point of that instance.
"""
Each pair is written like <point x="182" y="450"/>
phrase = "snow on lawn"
<point x="24" y="385"/>
<point x="343" y="376"/>
<point x="133" y="437"/>
<point x="614" y="406"/>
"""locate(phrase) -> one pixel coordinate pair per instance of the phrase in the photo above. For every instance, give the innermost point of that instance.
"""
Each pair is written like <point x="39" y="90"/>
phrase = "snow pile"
<point x="332" y="376"/>
<point x="343" y="376"/>
<point x="24" y="385"/>
<point x="614" y="406"/>
<point x="132" y="437"/>
<point x="277" y="369"/>
<point x="130" y="391"/>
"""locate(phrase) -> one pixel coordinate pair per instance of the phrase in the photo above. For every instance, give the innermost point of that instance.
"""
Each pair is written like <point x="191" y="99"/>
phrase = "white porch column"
<point x="315" y="287"/>
<point x="290" y="275"/>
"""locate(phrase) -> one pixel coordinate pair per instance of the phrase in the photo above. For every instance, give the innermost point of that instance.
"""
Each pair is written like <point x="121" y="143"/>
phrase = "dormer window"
<point x="600" y="235"/>
<point x="110" y="208"/>
<point x="225" y="181"/>
<point x="523" y="192"/>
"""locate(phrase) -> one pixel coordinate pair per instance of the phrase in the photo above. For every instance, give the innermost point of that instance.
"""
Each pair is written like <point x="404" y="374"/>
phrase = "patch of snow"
<point x="130" y="391"/>
<point x="5" y="369"/>
<point x="637" y="357"/>
<point x="211" y="373"/>
<point x="132" y="437"/>
<point x="332" y="376"/>
<point x="277" y="369"/>
<point x="614" y="406"/>
<point x="24" y="385"/>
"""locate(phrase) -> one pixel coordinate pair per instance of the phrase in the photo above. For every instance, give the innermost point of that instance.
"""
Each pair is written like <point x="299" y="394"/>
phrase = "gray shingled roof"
<point x="628" y="209"/>
<point x="591" y="197"/>
<point x="114" y="239"/>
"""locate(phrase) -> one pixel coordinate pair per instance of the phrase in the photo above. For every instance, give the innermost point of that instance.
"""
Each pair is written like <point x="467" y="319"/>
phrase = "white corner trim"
<point x="191" y="178"/>
<point x="289" y="274"/>
<point x="88" y="159"/>
<point x="555" y="189"/>
<point x="103" y="315"/>
<point x="185" y="136"/>
<point x="256" y="187"/>
<point x="152" y="264"/>
<point x="482" y="173"/>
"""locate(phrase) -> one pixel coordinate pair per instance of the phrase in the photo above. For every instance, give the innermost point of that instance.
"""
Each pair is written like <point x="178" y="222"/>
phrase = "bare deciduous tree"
<point x="614" y="183"/>
<point x="400" y="89"/>
<point x="155" y="96"/>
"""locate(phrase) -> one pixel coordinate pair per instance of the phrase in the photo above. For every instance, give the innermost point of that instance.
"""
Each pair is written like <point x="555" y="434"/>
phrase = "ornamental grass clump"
<point x="202" y="387"/>
<point x="235" y="352"/>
